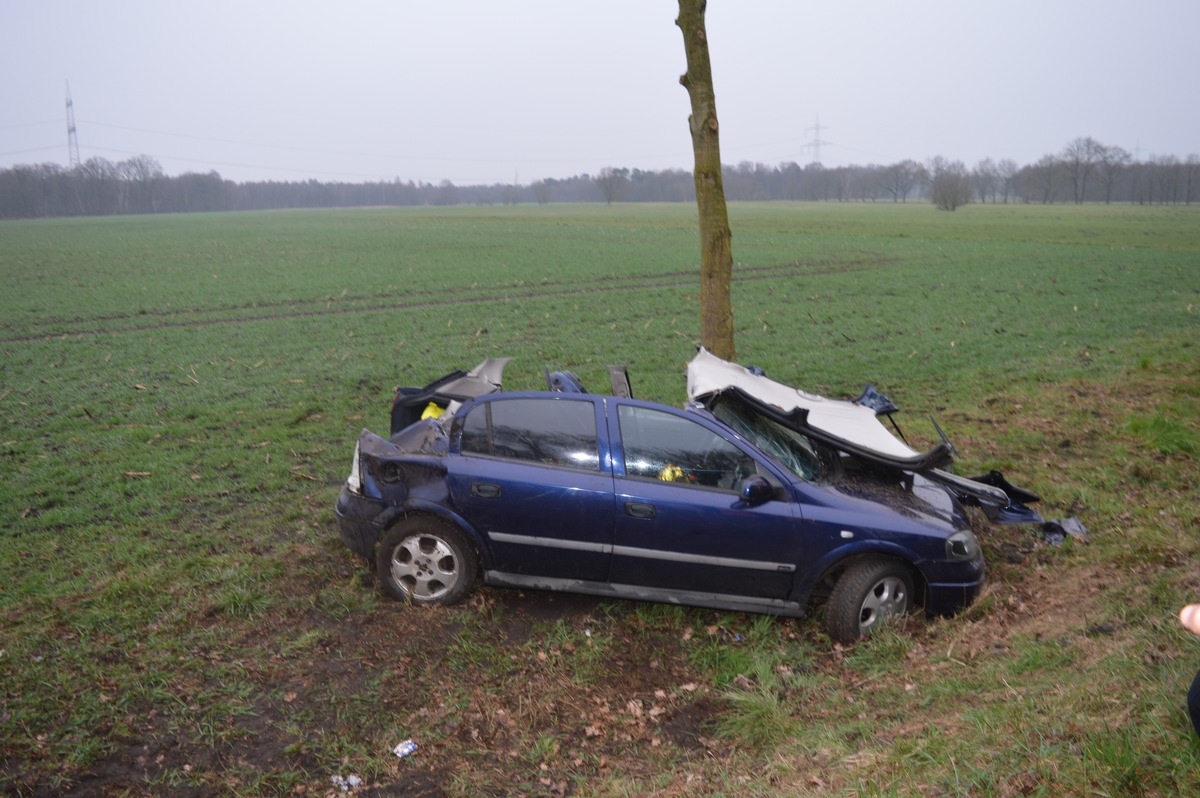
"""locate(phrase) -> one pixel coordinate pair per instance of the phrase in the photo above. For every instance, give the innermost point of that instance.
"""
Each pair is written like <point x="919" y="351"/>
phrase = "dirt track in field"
<point x="144" y="320"/>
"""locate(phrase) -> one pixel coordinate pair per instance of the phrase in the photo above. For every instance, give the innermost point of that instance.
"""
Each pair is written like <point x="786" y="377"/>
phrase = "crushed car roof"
<point x="852" y="427"/>
<point x="847" y="425"/>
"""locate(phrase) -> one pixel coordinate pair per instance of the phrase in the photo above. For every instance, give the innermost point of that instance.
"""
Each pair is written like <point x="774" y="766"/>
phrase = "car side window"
<point x="550" y="431"/>
<point x="671" y="448"/>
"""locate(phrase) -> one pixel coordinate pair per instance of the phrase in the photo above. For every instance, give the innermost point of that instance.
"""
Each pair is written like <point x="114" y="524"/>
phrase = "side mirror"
<point x="756" y="490"/>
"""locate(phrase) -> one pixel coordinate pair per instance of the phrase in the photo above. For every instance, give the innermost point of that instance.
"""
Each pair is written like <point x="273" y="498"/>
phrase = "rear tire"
<point x="424" y="560"/>
<point x="867" y="595"/>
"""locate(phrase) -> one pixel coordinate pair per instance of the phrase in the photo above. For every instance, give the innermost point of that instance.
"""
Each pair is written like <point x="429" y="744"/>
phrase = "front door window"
<point x="671" y="448"/>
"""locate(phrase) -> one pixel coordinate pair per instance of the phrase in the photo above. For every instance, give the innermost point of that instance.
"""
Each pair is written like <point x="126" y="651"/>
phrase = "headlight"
<point x="354" y="481"/>
<point x="962" y="546"/>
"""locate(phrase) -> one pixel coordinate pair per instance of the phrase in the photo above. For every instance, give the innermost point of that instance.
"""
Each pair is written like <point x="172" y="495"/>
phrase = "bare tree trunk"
<point x="716" y="240"/>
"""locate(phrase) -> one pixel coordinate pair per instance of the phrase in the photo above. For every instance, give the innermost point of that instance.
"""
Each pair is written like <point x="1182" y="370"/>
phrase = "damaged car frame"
<point x="754" y="497"/>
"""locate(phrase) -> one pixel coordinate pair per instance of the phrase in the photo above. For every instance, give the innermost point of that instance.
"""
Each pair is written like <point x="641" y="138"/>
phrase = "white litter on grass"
<point x="346" y="783"/>
<point x="404" y="749"/>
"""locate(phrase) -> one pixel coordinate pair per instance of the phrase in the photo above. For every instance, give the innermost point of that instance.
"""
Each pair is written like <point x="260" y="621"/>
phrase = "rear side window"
<point x="671" y="448"/>
<point x="550" y="431"/>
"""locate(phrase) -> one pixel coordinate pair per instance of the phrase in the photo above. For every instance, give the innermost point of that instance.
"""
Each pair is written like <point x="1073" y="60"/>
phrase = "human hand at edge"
<point x="1189" y="616"/>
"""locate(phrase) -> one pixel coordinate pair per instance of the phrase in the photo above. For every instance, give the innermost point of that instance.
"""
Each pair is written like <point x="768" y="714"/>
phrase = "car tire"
<point x="868" y="593"/>
<point x="425" y="560"/>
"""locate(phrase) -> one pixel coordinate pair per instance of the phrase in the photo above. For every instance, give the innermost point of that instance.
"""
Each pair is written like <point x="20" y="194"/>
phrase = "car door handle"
<point x="485" y="490"/>
<point x="639" y="509"/>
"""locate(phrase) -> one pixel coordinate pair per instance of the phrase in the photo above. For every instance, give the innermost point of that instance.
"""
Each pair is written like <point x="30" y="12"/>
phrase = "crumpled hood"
<point x="908" y="495"/>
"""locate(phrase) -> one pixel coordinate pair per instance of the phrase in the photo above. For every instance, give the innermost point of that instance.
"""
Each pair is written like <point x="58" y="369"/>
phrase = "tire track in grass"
<point x="311" y="308"/>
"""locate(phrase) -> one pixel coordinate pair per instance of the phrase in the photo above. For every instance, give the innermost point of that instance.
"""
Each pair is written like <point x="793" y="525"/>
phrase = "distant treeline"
<point x="1084" y="171"/>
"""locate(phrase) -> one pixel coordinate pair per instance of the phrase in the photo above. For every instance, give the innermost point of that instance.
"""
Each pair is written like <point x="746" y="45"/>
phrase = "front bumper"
<point x="954" y="591"/>
<point x="360" y="521"/>
<point x="948" y="599"/>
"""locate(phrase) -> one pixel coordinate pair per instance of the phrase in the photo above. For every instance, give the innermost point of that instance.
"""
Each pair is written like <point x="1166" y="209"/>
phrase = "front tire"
<point x="425" y="560"/>
<point x="867" y="595"/>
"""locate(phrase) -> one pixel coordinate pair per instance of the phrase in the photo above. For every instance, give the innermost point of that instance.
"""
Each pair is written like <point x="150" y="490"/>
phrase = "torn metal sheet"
<point x="412" y="404"/>
<point x="854" y="428"/>
<point x="847" y="425"/>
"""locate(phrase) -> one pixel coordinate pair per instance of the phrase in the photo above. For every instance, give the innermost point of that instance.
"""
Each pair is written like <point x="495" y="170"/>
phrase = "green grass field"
<point x="179" y="399"/>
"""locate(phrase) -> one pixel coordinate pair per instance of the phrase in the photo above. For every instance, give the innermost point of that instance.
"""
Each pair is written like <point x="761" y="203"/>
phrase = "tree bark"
<point x="716" y="239"/>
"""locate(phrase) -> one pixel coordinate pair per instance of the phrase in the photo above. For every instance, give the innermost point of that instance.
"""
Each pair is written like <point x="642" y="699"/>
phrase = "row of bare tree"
<point x="1083" y="171"/>
<point x="100" y="187"/>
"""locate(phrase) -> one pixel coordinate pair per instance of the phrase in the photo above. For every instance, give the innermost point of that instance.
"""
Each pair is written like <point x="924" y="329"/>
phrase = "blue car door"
<point x="533" y="476"/>
<point x="680" y="523"/>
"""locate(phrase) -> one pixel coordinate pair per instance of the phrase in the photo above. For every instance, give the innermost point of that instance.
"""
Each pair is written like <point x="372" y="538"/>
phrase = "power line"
<point x="29" y="124"/>
<point x="30" y="149"/>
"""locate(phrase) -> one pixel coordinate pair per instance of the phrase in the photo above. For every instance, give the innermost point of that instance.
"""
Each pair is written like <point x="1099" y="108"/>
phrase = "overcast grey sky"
<point x="479" y="91"/>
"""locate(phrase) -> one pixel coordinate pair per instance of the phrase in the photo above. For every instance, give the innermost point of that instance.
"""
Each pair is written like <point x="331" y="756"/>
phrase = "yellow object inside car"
<point x="672" y="473"/>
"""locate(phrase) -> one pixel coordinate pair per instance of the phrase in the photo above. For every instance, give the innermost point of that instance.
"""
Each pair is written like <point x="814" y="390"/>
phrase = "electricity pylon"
<point x="72" y="139"/>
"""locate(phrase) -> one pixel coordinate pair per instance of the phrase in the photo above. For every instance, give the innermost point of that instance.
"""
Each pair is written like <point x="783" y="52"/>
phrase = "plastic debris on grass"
<point x="1055" y="532"/>
<point x="346" y="783"/>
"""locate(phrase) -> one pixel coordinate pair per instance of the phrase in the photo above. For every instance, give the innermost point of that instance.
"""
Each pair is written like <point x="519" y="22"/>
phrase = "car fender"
<point x="840" y="558"/>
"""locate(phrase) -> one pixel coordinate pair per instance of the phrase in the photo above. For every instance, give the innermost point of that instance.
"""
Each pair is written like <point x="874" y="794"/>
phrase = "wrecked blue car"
<point x="754" y="497"/>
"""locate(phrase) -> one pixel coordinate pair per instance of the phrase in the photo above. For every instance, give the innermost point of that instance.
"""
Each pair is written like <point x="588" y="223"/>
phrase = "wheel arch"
<point x="832" y="568"/>
<point x="417" y="509"/>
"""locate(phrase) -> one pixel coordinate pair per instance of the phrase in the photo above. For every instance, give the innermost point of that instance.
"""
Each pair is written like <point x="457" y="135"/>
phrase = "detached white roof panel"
<point x="854" y="423"/>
